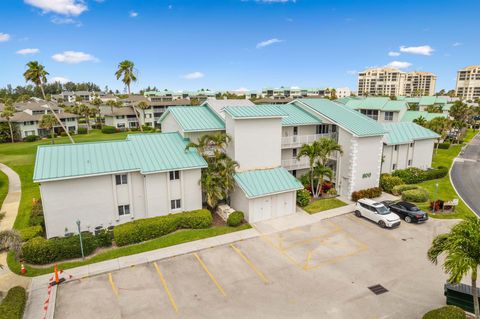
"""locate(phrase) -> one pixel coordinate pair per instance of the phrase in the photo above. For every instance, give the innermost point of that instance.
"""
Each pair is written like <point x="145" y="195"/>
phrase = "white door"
<point x="262" y="209"/>
<point x="284" y="205"/>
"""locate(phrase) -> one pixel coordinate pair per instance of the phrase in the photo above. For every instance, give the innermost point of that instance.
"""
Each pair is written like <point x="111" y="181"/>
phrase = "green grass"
<point x="321" y="205"/>
<point x="445" y="189"/>
<point x="3" y="187"/>
<point x="176" y="238"/>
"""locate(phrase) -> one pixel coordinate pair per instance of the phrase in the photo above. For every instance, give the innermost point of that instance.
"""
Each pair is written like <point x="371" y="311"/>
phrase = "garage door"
<point x="262" y="209"/>
<point x="283" y="205"/>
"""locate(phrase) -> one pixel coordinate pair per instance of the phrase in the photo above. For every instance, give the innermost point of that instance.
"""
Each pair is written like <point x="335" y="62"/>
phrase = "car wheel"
<point x="382" y="224"/>
<point x="408" y="219"/>
<point x="358" y="214"/>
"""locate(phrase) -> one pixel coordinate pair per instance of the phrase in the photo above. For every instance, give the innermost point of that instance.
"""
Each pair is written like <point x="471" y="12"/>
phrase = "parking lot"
<point x="317" y="271"/>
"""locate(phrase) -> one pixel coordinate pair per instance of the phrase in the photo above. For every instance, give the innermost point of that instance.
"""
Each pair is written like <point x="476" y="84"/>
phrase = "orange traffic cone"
<point x="22" y="268"/>
<point x="57" y="281"/>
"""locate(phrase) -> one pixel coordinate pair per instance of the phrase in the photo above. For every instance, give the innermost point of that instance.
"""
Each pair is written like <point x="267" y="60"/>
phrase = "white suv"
<point x="376" y="212"/>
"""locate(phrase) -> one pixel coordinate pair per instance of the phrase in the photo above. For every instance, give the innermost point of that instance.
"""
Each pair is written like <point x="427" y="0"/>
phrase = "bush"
<point x="399" y="189"/>
<point x="104" y="238"/>
<point x="147" y="128"/>
<point x="30" y="232"/>
<point x="31" y="138"/>
<point x="109" y="129"/>
<point x="82" y="130"/>
<point x="150" y="228"/>
<point x="332" y="192"/>
<point x="13" y="305"/>
<point x="303" y="197"/>
<point x="235" y="219"/>
<point x="36" y="214"/>
<point x="413" y="175"/>
<point x="39" y="250"/>
<point x="443" y="146"/>
<point x="436" y="173"/>
<point x="447" y="312"/>
<point x="367" y="193"/>
<point x="438" y="205"/>
<point x="418" y="195"/>
<point x="388" y="182"/>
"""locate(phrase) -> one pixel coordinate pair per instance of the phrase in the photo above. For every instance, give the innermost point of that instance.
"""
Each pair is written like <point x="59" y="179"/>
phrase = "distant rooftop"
<point x="406" y="132"/>
<point x="258" y="111"/>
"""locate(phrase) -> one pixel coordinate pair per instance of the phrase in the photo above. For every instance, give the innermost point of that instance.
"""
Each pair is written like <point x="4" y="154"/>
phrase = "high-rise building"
<point x="390" y="81"/>
<point x="468" y="82"/>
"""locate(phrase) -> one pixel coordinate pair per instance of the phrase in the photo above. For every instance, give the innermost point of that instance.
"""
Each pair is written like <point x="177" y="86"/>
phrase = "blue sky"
<point x="234" y="44"/>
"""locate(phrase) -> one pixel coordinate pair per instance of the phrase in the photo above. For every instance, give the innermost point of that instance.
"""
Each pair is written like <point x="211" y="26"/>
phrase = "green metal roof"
<point x="395" y="106"/>
<point x="147" y="153"/>
<point x="267" y="110"/>
<point x="412" y="99"/>
<point x="431" y="100"/>
<point x="195" y="118"/>
<point x="377" y="103"/>
<point x="345" y="117"/>
<point x="263" y="182"/>
<point x="409" y="116"/>
<point x="406" y="132"/>
<point x="447" y="106"/>
<point x="297" y="116"/>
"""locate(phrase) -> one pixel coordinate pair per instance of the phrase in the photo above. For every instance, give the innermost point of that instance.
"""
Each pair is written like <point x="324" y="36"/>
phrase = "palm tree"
<point x="126" y="69"/>
<point x="310" y="151"/>
<point x="96" y="103"/>
<point x="227" y="172"/>
<point x="462" y="254"/>
<point x="326" y="146"/>
<point x="10" y="240"/>
<point x="7" y="113"/>
<point x="48" y="122"/>
<point x="37" y="74"/>
<point x="142" y="105"/>
<point x="320" y="171"/>
<point x="112" y="104"/>
<point x="212" y="188"/>
<point x="420" y="121"/>
<point x="84" y="110"/>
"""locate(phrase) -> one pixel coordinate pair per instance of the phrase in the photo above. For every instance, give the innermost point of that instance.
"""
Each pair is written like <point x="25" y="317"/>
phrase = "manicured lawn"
<point x="321" y="205"/>
<point x="175" y="238"/>
<point x="3" y="187"/>
<point x="445" y="189"/>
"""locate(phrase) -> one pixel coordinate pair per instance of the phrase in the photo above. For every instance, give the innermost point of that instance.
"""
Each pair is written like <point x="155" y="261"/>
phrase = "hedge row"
<point x="418" y="195"/>
<point x="108" y="129"/>
<point x="413" y="175"/>
<point x="388" y="182"/>
<point x="399" y="189"/>
<point x="146" y="229"/>
<point x="367" y="193"/>
<point x="443" y="146"/>
<point x="13" y="305"/>
<point x="30" y="232"/>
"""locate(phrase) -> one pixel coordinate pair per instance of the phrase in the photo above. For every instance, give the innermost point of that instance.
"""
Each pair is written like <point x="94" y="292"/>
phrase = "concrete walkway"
<point x="10" y="208"/>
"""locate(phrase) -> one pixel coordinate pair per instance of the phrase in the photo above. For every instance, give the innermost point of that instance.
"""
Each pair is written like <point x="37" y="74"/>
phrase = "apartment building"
<point x="393" y="82"/>
<point x="380" y="109"/>
<point x="468" y="83"/>
<point x="70" y="96"/>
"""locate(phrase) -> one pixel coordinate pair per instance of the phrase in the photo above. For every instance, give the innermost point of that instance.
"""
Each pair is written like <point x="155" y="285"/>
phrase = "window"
<point x="123" y="210"/>
<point x="121" y="179"/>
<point x="119" y="117"/>
<point x="394" y="166"/>
<point x="294" y="173"/>
<point x="334" y="128"/>
<point x="409" y="162"/>
<point x="322" y="129"/>
<point x="120" y="125"/>
<point x="148" y="115"/>
<point x="395" y="148"/>
<point x="174" y="175"/>
<point x="175" y="204"/>
<point x="294" y="152"/>
<point x="373" y="114"/>
<point x="388" y="116"/>
<point x="295" y="130"/>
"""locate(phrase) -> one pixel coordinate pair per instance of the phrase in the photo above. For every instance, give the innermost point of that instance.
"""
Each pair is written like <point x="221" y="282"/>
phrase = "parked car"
<point x="376" y="212"/>
<point x="407" y="211"/>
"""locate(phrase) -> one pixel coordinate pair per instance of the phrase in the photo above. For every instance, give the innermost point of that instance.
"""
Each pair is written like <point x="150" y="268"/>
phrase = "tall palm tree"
<point x="462" y="254"/>
<point x="10" y="240"/>
<point x="84" y="110"/>
<point x="212" y="188"/>
<point x="48" y="122"/>
<point x="320" y="172"/>
<point x="96" y="103"/>
<point x="420" y="121"/>
<point x="326" y="146"/>
<point x="142" y="105"/>
<point x="112" y="104"/>
<point x="126" y="70"/>
<point x="7" y="113"/>
<point x="227" y="172"/>
<point x="37" y="74"/>
<point x="310" y="151"/>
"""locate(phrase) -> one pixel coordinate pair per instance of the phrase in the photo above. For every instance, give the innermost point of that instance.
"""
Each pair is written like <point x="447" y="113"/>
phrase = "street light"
<point x="436" y="196"/>
<point x="80" y="236"/>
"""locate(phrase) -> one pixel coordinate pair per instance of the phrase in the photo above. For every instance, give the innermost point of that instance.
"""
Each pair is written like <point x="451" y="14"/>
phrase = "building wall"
<point x="194" y="136"/>
<point x="423" y="153"/>
<point x="419" y="154"/>
<point x="468" y="83"/>
<point x="169" y="124"/>
<point x="366" y="153"/>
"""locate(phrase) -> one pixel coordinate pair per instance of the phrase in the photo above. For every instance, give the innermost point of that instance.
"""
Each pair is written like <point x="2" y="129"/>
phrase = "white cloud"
<point x="28" y="51"/>
<point x="66" y="7"/>
<point x="4" y="37"/>
<point x="399" y="65"/>
<point x="59" y="79"/>
<point x="242" y="89"/>
<point x="393" y="53"/>
<point x="352" y="72"/>
<point x="457" y="44"/>
<point x="193" y="76"/>
<point x="421" y="50"/>
<point x="58" y="20"/>
<point x="133" y="14"/>
<point x="74" y="57"/>
<point x="268" y="42"/>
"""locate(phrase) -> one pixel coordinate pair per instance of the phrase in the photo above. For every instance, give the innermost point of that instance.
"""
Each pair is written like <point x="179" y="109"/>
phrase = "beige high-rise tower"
<point x="468" y="83"/>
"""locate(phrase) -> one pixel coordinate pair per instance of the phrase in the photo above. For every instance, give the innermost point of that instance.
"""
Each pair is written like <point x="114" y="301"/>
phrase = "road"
<point x="466" y="174"/>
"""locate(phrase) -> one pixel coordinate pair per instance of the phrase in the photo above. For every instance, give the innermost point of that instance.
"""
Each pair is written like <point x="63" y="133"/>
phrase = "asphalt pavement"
<point x="466" y="174"/>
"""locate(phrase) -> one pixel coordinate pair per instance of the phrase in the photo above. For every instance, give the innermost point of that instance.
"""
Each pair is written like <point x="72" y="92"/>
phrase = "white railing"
<point x="293" y="163"/>
<point x="299" y="140"/>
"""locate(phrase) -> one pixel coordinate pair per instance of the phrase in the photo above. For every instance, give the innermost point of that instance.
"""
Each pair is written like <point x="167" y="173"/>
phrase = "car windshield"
<point x="414" y="209"/>
<point x="382" y="210"/>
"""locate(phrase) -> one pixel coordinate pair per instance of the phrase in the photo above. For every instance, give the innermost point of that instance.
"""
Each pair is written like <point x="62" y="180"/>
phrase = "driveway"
<point x="321" y="270"/>
<point x="466" y="174"/>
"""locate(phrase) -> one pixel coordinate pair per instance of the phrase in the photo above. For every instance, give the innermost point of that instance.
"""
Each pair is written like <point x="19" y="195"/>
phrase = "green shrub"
<point x="30" y="232"/>
<point x="436" y="173"/>
<point x="303" y="197"/>
<point x="413" y="175"/>
<point x="109" y="129"/>
<point x="447" y="312"/>
<point x="13" y="305"/>
<point x="399" y="189"/>
<point x="150" y="228"/>
<point x="332" y="192"/>
<point x="36" y="214"/>
<point x="443" y="146"/>
<point x="418" y="195"/>
<point x="82" y="130"/>
<point x="388" y="182"/>
<point x="31" y="138"/>
<point x="39" y="250"/>
<point x="147" y="128"/>
<point x="63" y="134"/>
<point x="235" y="219"/>
<point x="104" y="238"/>
<point x="367" y="193"/>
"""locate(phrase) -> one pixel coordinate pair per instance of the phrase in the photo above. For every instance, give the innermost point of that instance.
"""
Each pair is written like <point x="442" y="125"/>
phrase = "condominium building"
<point x="393" y="82"/>
<point x="468" y="83"/>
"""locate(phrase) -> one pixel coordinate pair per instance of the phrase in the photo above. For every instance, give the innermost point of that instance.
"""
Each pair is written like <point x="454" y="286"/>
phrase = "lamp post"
<point x="80" y="236"/>
<point x="436" y="195"/>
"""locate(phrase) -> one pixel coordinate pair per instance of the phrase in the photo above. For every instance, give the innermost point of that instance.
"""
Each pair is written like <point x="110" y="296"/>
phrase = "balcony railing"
<point x="293" y="163"/>
<point x="299" y="140"/>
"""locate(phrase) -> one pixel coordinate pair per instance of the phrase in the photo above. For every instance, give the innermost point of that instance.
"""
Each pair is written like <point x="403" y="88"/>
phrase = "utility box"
<point x="224" y="211"/>
<point x="460" y="295"/>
